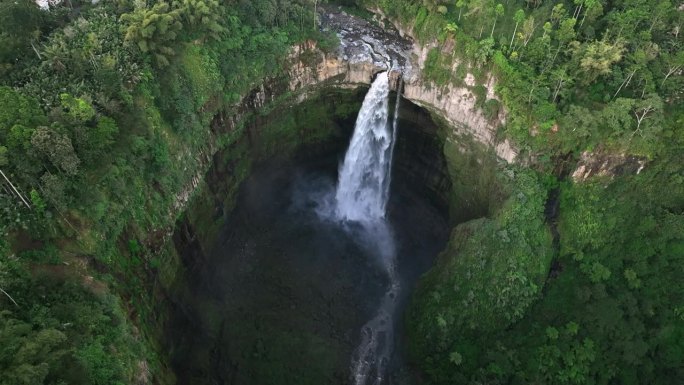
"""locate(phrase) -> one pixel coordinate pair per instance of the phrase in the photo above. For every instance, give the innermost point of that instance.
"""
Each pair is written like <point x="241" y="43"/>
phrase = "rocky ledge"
<point x="362" y="42"/>
<point x="605" y="164"/>
<point x="367" y="48"/>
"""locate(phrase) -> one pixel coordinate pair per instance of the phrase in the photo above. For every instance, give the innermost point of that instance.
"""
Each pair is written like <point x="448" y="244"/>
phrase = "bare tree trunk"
<point x="36" y="51"/>
<point x="315" y="13"/>
<point x="584" y="17"/>
<point x="527" y="39"/>
<point x="625" y="83"/>
<point x="10" y="297"/>
<point x="558" y="88"/>
<point x="553" y="60"/>
<point x="670" y="72"/>
<point x="15" y="190"/>
<point x="640" y="118"/>
<point x="513" y="35"/>
<point x="579" y="10"/>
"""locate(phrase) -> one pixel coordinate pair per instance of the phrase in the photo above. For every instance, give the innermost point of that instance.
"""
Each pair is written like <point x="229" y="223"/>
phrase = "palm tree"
<point x="498" y="11"/>
<point x="518" y="17"/>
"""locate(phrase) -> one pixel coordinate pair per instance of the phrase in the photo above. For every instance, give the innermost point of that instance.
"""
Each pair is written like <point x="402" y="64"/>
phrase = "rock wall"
<point x="364" y="52"/>
<point x="604" y="164"/>
<point x="366" y="49"/>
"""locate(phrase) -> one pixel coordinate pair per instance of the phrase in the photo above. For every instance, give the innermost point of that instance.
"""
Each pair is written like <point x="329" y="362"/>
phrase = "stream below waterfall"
<point x="360" y="206"/>
<point x="286" y="294"/>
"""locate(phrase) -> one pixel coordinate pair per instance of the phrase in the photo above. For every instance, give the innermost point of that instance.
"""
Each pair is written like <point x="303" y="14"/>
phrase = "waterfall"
<point x="395" y="122"/>
<point x="360" y="192"/>
<point x="361" y="196"/>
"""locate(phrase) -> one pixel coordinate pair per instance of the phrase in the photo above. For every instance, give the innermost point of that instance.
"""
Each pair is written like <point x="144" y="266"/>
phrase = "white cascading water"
<point x="360" y="194"/>
<point x="395" y="122"/>
<point x="361" y="197"/>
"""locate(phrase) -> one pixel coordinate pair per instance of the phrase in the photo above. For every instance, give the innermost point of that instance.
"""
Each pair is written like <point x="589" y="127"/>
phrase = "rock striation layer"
<point x="366" y="49"/>
<point x="604" y="164"/>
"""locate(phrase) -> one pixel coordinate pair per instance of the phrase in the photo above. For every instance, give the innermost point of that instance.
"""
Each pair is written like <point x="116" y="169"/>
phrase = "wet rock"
<point x="364" y="42"/>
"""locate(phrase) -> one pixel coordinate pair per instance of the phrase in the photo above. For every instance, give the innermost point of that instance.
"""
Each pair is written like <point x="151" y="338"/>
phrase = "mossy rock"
<point x="492" y="270"/>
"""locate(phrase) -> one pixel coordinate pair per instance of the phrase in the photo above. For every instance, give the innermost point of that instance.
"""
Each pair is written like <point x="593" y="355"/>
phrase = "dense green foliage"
<point x="104" y="110"/>
<point x="501" y="267"/>
<point x="573" y="76"/>
<point x="104" y="120"/>
<point x="613" y="66"/>
<point x="610" y="310"/>
<point x="62" y="330"/>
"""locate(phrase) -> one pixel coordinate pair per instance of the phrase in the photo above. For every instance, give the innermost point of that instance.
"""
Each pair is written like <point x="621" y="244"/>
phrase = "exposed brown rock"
<point x="601" y="164"/>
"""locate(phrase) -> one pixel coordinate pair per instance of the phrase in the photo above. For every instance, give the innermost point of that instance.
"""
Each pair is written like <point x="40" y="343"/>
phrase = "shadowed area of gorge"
<point x="268" y="291"/>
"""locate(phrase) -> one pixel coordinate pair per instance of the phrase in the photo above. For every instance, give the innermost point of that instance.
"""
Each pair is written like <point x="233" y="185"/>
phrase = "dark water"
<point x="284" y="294"/>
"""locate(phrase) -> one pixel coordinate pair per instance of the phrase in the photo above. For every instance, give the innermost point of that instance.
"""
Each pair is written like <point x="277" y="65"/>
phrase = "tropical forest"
<point x="341" y="192"/>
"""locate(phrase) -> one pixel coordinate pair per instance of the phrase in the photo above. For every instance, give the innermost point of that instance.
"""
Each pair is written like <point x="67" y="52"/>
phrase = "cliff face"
<point x="605" y="164"/>
<point x="366" y="49"/>
<point x="257" y="127"/>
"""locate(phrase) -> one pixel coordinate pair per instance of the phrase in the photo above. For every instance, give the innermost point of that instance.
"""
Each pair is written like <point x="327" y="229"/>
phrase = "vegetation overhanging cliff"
<point x="591" y="89"/>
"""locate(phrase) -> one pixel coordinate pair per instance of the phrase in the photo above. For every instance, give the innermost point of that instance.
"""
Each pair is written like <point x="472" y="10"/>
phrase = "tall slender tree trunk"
<point x="36" y="51"/>
<point x="513" y="35"/>
<point x="21" y="197"/>
<point x="493" y="26"/>
<point x="10" y="297"/>
<point x="315" y="13"/>
<point x="584" y="17"/>
<point x="625" y="83"/>
<point x="558" y="88"/>
<point x="577" y="12"/>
